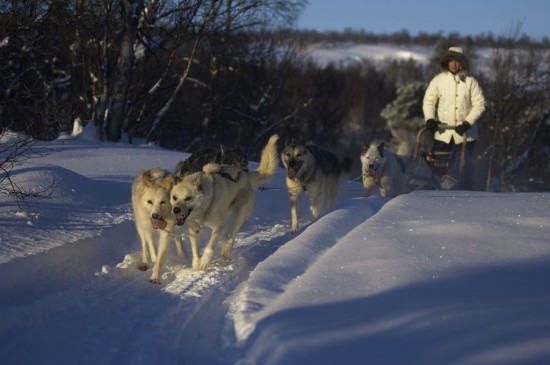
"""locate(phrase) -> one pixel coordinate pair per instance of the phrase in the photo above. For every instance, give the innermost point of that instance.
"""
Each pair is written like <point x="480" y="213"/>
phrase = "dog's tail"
<point x="405" y="140"/>
<point x="269" y="162"/>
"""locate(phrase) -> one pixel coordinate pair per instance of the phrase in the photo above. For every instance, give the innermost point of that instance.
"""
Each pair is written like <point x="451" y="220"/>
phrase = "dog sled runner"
<point x="428" y="166"/>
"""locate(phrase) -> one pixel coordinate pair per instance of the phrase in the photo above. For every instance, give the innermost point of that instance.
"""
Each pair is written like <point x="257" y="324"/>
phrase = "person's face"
<point x="454" y="66"/>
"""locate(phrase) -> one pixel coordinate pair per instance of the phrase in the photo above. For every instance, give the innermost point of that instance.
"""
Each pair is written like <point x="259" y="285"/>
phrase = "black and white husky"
<point x="312" y="171"/>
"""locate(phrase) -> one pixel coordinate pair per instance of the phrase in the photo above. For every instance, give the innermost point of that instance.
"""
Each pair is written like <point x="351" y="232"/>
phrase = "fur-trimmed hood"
<point x="457" y="54"/>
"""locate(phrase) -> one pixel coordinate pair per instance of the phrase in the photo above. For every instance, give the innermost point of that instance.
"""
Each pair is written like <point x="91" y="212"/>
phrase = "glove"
<point x="432" y="125"/>
<point x="460" y="129"/>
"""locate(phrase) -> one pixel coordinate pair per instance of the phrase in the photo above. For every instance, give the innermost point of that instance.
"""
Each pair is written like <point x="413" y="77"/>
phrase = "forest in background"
<point x="185" y="75"/>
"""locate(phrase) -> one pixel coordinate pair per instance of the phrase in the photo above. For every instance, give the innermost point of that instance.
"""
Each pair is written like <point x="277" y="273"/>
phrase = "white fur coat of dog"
<point x="384" y="170"/>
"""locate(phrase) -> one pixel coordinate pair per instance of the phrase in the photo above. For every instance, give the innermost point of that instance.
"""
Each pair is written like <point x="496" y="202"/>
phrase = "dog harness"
<point x="229" y="177"/>
<point x="377" y="176"/>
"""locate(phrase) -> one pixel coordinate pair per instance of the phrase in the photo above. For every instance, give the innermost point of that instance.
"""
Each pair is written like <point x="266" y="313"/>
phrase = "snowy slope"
<point x="348" y="54"/>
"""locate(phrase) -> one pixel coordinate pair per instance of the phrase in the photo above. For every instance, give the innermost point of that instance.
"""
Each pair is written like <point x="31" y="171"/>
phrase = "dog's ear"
<point x="145" y="178"/>
<point x="149" y="177"/>
<point x="381" y="149"/>
<point x="168" y="181"/>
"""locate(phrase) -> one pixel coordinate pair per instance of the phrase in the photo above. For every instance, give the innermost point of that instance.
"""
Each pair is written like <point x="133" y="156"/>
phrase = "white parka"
<point x="452" y="100"/>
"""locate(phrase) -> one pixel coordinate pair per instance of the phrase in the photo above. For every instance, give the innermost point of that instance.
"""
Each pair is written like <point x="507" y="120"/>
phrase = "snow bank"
<point x="463" y="282"/>
<point x="272" y="277"/>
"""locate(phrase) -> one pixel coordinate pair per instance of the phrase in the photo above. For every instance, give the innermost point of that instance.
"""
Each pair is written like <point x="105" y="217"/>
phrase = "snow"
<point x="456" y="277"/>
<point x="430" y="277"/>
<point x="347" y="54"/>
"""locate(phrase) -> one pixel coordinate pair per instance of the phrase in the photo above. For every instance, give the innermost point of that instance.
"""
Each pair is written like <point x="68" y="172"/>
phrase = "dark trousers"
<point x="453" y="171"/>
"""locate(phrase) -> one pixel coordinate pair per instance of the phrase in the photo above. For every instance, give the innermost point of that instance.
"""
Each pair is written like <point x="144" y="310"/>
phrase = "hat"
<point x="454" y="53"/>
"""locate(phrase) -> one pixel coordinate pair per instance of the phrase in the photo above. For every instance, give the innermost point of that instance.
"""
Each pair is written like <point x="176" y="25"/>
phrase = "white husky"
<point x="210" y="196"/>
<point x="383" y="169"/>
<point x="153" y="216"/>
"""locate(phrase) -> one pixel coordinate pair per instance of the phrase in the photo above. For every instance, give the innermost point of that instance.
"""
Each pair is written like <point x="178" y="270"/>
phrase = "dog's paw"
<point x="154" y="281"/>
<point x="206" y="259"/>
<point x="143" y="267"/>
<point x="203" y="266"/>
<point x="225" y="254"/>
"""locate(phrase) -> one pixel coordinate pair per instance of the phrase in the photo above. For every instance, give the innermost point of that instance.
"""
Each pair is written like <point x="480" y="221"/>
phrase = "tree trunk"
<point x="153" y="132"/>
<point x="123" y="75"/>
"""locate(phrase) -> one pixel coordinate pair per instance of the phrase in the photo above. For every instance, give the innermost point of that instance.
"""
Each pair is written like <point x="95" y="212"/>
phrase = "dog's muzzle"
<point x="374" y="173"/>
<point x="157" y="222"/>
<point x="181" y="216"/>
<point x="293" y="168"/>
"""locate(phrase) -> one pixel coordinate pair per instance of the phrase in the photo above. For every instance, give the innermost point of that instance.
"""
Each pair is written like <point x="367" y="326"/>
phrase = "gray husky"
<point x="314" y="172"/>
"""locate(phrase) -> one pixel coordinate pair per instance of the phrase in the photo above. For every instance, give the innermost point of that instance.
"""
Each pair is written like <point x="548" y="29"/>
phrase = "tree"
<point x="77" y="58"/>
<point x="208" y="37"/>
<point x="516" y="118"/>
<point x="404" y="115"/>
<point x="35" y="97"/>
<point x="406" y="110"/>
<point x="15" y="151"/>
<point x="131" y="12"/>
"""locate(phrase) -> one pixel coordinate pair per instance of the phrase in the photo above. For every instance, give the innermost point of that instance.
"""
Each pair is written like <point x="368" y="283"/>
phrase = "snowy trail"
<point x="82" y="289"/>
<point x="60" y="293"/>
<point x="70" y="289"/>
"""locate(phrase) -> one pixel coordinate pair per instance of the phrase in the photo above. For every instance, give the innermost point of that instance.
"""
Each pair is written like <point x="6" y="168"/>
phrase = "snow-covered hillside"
<point x="349" y="54"/>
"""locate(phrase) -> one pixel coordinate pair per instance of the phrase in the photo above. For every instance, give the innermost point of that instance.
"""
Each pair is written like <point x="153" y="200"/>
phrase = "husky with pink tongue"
<point x="154" y="218"/>
<point x="312" y="171"/>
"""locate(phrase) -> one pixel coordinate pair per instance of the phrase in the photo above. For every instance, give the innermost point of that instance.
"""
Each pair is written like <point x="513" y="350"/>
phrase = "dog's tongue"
<point x="159" y="223"/>
<point x="182" y="217"/>
<point x="291" y="173"/>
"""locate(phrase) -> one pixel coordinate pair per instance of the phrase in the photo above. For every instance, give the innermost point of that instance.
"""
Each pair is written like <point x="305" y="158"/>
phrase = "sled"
<point x="428" y="166"/>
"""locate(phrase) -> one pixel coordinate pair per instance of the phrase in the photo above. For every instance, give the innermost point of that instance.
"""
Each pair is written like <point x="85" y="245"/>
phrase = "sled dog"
<point x="384" y="169"/>
<point x="314" y="172"/>
<point x="209" y="197"/>
<point x="222" y="156"/>
<point x="153" y="217"/>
